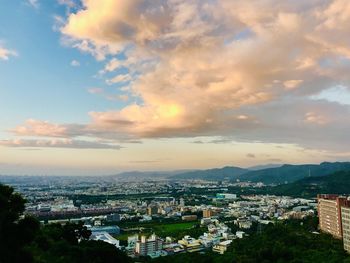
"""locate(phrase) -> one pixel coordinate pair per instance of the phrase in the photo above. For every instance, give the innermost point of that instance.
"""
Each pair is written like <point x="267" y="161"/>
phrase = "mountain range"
<point x="275" y="174"/>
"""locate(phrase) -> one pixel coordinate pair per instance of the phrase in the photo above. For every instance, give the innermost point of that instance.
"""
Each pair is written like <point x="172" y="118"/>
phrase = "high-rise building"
<point x="329" y="213"/>
<point x="345" y="216"/>
<point x="152" y="245"/>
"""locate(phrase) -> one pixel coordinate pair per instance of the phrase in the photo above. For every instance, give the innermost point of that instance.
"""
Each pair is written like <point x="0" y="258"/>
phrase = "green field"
<point x="175" y="230"/>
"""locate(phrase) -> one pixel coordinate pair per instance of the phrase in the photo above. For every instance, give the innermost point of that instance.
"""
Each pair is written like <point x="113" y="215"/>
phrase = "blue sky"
<point x="41" y="83"/>
<point x="102" y="86"/>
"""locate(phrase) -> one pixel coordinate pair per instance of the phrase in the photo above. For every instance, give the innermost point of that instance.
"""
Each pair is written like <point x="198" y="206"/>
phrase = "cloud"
<point x="75" y="63"/>
<point x="41" y="128"/>
<point x="5" y="53"/>
<point x="68" y="3"/>
<point x="233" y="69"/>
<point x="119" y="79"/>
<point x="58" y="143"/>
<point x="201" y="66"/>
<point x="312" y="117"/>
<point x="96" y="90"/>
<point x="34" y="3"/>
<point x="251" y="155"/>
<point x="292" y="84"/>
<point x="112" y="97"/>
<point x="310" y="124"/>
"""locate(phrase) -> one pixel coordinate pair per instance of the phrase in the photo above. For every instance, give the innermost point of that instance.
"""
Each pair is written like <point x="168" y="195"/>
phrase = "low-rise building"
<point x="189" y="217"/>
<point x="191" y="244"/>
<point x="105" y="237"/>
<point x="222" y="246"/>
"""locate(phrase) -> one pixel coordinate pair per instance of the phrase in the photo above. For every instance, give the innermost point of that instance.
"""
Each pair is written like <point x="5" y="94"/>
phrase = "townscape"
<point x="148" y="221"/>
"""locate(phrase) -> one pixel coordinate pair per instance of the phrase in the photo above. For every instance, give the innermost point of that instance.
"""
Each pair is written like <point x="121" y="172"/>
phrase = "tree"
<point x="15" y="233"/>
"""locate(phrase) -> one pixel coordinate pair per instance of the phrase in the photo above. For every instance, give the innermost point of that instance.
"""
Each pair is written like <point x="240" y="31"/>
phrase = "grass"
<point x="160" y="229"/>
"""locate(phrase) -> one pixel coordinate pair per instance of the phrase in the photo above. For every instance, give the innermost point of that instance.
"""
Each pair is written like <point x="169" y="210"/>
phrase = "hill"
<point x="139" y="175"/>
<point x="336" y="183"/>
<point x="228" y="172"/>
<point x="288" y="173"/>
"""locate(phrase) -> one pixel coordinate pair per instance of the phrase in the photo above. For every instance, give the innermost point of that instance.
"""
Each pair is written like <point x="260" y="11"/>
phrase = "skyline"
<point x="97" y="87"/>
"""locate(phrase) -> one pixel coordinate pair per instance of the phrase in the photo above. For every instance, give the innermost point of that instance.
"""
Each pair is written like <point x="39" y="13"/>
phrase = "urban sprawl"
<point x="160" y="218"/>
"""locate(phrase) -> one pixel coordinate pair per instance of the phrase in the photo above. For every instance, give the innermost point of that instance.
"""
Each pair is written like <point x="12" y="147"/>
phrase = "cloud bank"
<point x="240" y="69"/>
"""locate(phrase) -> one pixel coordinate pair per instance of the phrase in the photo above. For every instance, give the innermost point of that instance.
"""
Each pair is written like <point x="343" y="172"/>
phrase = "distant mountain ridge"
<point x="228" y="172"/>
<point x="286" y="173"/>
<point x="264" y="166"/>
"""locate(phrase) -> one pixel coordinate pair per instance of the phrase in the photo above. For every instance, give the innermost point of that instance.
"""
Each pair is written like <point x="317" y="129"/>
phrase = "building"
<point x="208" y="213"/>
<point x="105" y="237"/>
<point x="189" y="217"/>
<point x="226" y="196"/>
<point x="191" y="244"/>
<point x="113" y="230"/>
<point x="240" y="234"/>
<point x="152" y="210"/>
<point x="148" y="247"/>
<point x="345" y="216"/>
<point x="329" y="213"/>
<point x="182" y="202"/>
<point x="222" y="246"/>
<point x="113" y="217"/>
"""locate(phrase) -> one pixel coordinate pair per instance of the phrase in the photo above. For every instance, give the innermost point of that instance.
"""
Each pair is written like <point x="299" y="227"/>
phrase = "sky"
<point x="96" y="87"/>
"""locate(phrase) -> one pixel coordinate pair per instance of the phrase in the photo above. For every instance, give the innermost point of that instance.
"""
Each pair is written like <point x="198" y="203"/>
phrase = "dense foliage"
<point x="15" y="233"/>
<point x="24" y="240"/>
<point x="336" y="183"/>
<point x="291" y="173"/>
<point x="291" y="241"/>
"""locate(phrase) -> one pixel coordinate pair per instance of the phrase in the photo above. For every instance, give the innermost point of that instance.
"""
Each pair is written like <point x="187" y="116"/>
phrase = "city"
<point x="160" y="218"/>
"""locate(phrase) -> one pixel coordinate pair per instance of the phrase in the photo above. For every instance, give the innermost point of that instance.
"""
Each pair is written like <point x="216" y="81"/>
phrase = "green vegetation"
<point x="24" y="240"/>
<point x="95" y="199"/>
<point x="292" y="173"/>
<point x="291" y="241"/>
<point x="172" y="229"/>
<point x="336" y="183"/>
<point x="213" y="174"/>
<point x="278" y="175"/>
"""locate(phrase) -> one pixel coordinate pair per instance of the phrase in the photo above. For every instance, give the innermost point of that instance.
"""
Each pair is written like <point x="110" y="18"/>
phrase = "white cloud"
<point x="68" y="3"/>
<point x="58" y="143"/>
<point x="113" y="97"/>
<point x="34" y="3"/>
<point x="193" y="63"/>
<point x="75" y="63"/>
<point x="96" y="90"/>
<point x="121" y="78"/>
<point x="292" y="84"/>
<point x="218" y="67"/>
<point x="5" y="53"/>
